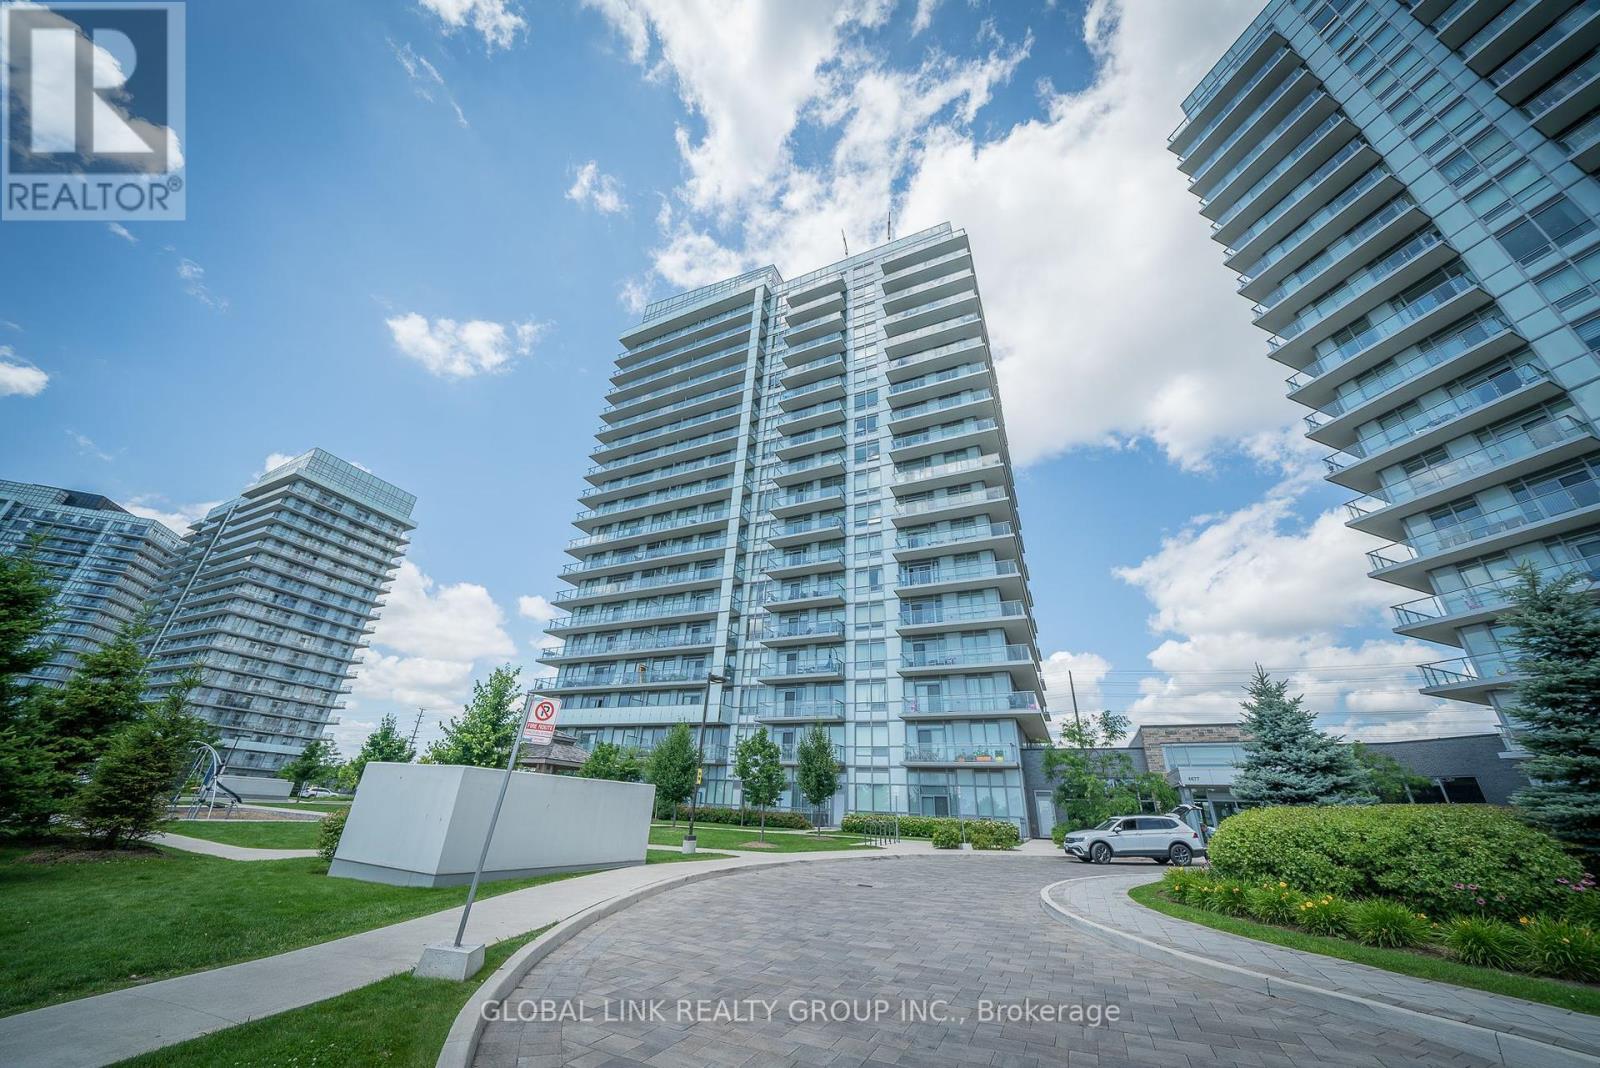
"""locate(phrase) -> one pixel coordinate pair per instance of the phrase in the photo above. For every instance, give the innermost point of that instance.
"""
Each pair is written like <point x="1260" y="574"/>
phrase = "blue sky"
<point x="415" y="231"/>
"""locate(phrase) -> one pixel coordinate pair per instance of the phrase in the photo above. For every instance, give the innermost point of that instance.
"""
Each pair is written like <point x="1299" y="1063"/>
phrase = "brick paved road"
<point x="961" y="930"/>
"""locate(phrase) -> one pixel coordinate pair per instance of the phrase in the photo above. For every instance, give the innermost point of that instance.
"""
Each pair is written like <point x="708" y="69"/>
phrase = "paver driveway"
<point x="874" y="939"/>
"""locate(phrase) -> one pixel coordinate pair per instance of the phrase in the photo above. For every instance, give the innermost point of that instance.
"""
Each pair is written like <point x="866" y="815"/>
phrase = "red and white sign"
<point x="540" y="728"/>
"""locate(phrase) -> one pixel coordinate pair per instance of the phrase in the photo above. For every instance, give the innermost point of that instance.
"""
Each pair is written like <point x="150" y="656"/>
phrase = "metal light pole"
<point x="689" y="841"/>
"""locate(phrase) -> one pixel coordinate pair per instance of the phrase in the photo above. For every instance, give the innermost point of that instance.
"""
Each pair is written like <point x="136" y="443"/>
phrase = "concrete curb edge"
<point x="1503" y="1047"/>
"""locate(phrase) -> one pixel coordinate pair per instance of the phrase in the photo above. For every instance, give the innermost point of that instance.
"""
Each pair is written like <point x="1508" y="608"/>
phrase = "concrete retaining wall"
<point x="424" y="824"/>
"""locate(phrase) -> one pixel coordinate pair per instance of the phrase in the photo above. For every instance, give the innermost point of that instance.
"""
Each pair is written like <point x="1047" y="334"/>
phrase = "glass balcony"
<point x="912" y="577"/>
<point x="1541" y="45"/>
<point x="660" y="497"/>
<point x="675" y="355"/>
<point x="791" y="355"/>
<point x="933" y="615"/>
<point x="955" y="500"/>
<point x="1562" y="88"/>
<point x="630" y="530"/>
<point x="624" y="558"/>
<point x="808" y="463"/>
<point x="664" y="391"/>
<point x="817" y="629"/>
<point x="1255" y="80"/>
<point x="813" y="560"/>
<point x="944" y="281"/>
<point x="965" y="370"/>
<point x="907" y="476"/>
<point x="816" y="499"/>
<point x="1464" y="670"/>
<point x="938" y="433"/>
<point x="1363" y="281"/>
<point x="803" y="710"/>
<point x="941" y="404"/>
<point x="961" y="754"/>
<point x="579" y="679"/>
<point x="1582" y="137"/>
<point x="1458" y="468"/>
<point x="901" y="341"/>
<point x="931" y="306"/>
<point x="1352" y="239"/>
<point x="1487" y="392"/>
<point x="832" y="410"/>
<point x="1318" y="219"/>
<point x="1486" y="597"/>
<point x="802" y="667"/>
<point x="936" y="539"/>
<point x="971" y="344"/>
<point x="663" y="450"/>
<point x="1433" y="299"/>
<point x="1272" y="139"/>
<point x="821" y="435"/>
<point x="667" y="430"/>
<point x="690" y="402"/>
<point x="577" y="650"/>
<point x="1429" y="353"/>
<point x="810" y="389"/>
<point x="1282" y="167"/>
<point x="609" y="589"/>
<point x="1487" y="524"/>
<point x="1294" y="197"/>
<point x="822" y="526"/>
<point x="793" y="595"/>
<point x="667" y="609"/>
<point x="959" y="704"/>
<point x="700" y="324"/>
<point x="658" y="474"/>
<point x="964" y="658"/>
<point x="721" y="356"/>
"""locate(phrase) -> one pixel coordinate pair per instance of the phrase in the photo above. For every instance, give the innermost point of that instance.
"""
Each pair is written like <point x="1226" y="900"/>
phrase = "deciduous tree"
<point x="484" y="732"/>
<point x="674" y="768"/>
<point x="1095" y="780"/>
<point x="758" y="762"/>
<point x="386" y="745"/>
<point x="607" y="760"/>
<point x="816" y="770"/>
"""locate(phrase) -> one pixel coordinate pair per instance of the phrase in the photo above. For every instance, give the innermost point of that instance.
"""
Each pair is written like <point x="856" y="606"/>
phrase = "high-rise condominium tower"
<point x="272" y="596"/>
<point x="1405" y="192"/>
<point x="805" y="487"/>
<point x="105" y="561"/>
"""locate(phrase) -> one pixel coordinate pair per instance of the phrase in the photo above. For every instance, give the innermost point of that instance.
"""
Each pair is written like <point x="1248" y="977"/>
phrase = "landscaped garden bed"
<point x="946" y="832"/>
<point x="1463" y="893"/>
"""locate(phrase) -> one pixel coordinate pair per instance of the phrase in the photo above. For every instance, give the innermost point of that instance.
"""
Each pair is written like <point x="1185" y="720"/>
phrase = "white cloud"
<point x="924" y="16"/>
<point x="598" y="190"/>
<point x="426" y="81"/>
<point x="18" y="379"/>
<point x="87" y="447"/>
<point x="193" y="277"/>
<point x="536" y="608"/>
<point x="497" y="21"/>
<point x="413" y="681"/>
<point x="1087" y="671"/>
<point x="177" y="517"/>
<point x="122" y="232"/>
<point x="458" y="622"/>
<point x="273" y="461"/>
<point x="634" y="295"/>
<point x="451" y="349"/>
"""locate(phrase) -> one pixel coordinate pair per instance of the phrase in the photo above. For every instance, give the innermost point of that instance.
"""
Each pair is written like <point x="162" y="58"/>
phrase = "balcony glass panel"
<point x="1293" y="196"/>
<point x="1427" y="353"/>
<point x="1547" y="40"/>
<point x="1364" y="339"/>
<point x="1024" y="701"/>
<point x="1508" y="381"/>
<point x="934" y="539"/>
<point x="938" y="433"/>
<point x="1488" y="524"/>
<point x="1271" y="139"/>
<point x="1361" y="282"/>
<point x="1453" y="470"/>
<point x="1350" y="241"/>
<point x="929" y="658"/>
<point x="1318" y="219"/>
<point x="1282" y="167"/>
<point x="941" y="753"/>
<point x="1563" y="87"/>
<point x="954" y="500"/>
<point x="921" y="615"/>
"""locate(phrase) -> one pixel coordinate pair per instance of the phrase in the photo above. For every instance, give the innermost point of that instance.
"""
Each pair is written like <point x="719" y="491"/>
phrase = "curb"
<point x="461" y="1044"/>
<point x="1500" y="1047"/>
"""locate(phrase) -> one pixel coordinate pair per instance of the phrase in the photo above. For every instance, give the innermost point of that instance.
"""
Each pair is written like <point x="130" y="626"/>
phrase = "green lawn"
<point x="320" y="806"/>
<point x="1572" y="996"/>
<point x="71" y="929"/>
<point x="274" y="834"/>
<point x="717" y="836"/>
<point x="400" y="1021"/>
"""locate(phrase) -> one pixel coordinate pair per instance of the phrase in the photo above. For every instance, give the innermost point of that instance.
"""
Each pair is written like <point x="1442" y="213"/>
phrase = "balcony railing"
<point x="934" y="353"/>
<point x="942" y="433"/>
<point x="688" y="402"/>
<point x="1271" y="139"/>
<point x="663" y="450"/>
<point x="797" y="392"/>
<point x="930" y="306"/>
<point x="796" y="667"/>
<point x="933" y="576"/>
<point x="960" y="754"/>
<point x="1468" y="669"/>
<point x="962" y="370"/>
<point x="688" y="383"/>
<point x="948" y="704"/>
<point x="1488" y="524"/>
<point x="802" y="710"/>
<point x="808" y="463"/>
<point x="620" y="559"/>
<point x="1308" y="272"/>
<point x="954" y="500"/>
<point x="900" y="340"/>
<point x="1488" y="391"/>
<point x="1547" y="40"/>
<point x="820" y="558"/>
<point x="831" y="497"/>
<point x="667" y="429"/>
<point x="1429" y="353"/>
<point x="1564" y="87"/>
<point x="1485" y="597"/>
<point x="810" y="592"/>
<point x="660" y="473"/>
<point x="720" y="356"/>
<point x="823" y="525"/>
<point x="820" y="434"/>
<point x="653" y="582"/>
<point x="1295" y="195"/>
<point x="936" y="538"/>
<point x="1255" y="80"/>
<point x="659" y="497"/>
<point x="1279" y="169"/>
<point x="579" y="679"/>
<point x="577" y="650"/>
<point x="942" y="404"/>
<point x="961" y="658"/>
<point x="815" y="628"/>
<point x="903" y="475"/>
<point x="697" y="606"/>
<point x="1318" y="219"/>
<point x="1435" y="298"/>
<point x="630" y="530"/>
<point x="814" y="343"/>
<point x="1363" y="281"/>
<point x="673" y="353"/>
<point x="1514" y="446"/>
<point x="927" y="615"/>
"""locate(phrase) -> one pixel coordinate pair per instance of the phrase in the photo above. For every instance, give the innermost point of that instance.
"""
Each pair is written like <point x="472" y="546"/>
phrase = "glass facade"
<point x="1406" y="192"/>
<point x="105" y="560"/>
<point x="805" y="487"/>
<point x="271" y="597"/>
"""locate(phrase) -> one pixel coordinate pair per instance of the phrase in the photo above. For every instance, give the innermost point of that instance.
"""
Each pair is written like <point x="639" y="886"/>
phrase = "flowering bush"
<point x="1560" y="948"/>
<point x="1389" y="924"/>
<point x="1326" y="915"/>
<point x="1484" y="942"/>
<point x="1275" y="903"/>
<point x="1417" y="854"/>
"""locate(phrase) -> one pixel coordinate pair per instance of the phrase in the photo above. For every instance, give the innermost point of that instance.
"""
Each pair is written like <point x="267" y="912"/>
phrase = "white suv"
<point x="1161" y="838"/>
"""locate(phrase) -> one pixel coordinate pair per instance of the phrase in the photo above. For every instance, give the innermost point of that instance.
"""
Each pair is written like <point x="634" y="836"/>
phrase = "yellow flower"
<point x="1524" y="920"/>
<point x="1566" y="941"/>
<point x="1283" y="886"/>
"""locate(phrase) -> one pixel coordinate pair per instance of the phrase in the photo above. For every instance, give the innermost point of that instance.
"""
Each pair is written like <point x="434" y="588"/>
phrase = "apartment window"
<point x="1555" y="224"/>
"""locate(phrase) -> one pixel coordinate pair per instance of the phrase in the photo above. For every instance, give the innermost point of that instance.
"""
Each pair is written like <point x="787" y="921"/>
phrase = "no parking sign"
<point x="540" y="727"/>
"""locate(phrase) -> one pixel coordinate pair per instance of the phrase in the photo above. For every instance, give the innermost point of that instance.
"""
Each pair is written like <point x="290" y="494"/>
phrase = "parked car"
<point x="1163" y="839"/>
<point x="315" y="791"/>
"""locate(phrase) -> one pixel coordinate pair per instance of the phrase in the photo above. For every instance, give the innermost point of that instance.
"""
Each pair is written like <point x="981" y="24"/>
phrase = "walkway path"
<point x="110" y="1027"/>
<point x="1105" y="901"/>
<point x="940" y="934"/>
<point x="225" y="851"/>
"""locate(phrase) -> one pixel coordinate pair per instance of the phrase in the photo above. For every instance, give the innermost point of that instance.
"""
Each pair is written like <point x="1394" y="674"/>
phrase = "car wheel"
<point x="1181" y="855"/>
<point x="1100" y="853"/>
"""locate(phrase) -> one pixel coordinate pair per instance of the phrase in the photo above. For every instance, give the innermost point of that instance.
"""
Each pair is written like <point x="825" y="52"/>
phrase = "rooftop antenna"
<point x="846" y="243"/>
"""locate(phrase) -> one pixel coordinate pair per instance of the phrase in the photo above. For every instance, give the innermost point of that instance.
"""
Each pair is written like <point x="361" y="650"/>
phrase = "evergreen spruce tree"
<point x="30" y="789"/>
<point x="1557" y="643"/>
<point x="482" y="735"/>
<point x="758" y="762"/>
<point x="674" y="768"/>
<point x="816" y="770"/>
<point x="105" y="691"/>
<point x="386" y="744"/>
<point x="1289" y="761"/>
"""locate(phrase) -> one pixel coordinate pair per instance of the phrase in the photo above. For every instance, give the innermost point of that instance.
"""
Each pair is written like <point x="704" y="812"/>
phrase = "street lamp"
<point x="689" y="841"/>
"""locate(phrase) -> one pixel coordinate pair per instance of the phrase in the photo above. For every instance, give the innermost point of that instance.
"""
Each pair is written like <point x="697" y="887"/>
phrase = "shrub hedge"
<point x="1440" y="859"/>
<point x="946" y="837"/>
<point x="982" y="833"/>
<point x="330" y="832"/>
<point x="749" y="817"/>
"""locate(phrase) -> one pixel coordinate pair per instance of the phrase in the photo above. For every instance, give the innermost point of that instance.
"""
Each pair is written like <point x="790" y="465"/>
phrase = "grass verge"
<point x="82" y="923"/>
<point x="717" y="836"/>
<point x="401" y="1020"/>
<point x="274" y="834"/>
<point x="1572" y="996"/>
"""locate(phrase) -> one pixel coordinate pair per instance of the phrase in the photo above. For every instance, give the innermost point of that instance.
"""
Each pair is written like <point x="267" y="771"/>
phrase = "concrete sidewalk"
<point x="225" y="851"/>
<point x="1501" y="1029"/>
<point x="123" y="1023"/>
